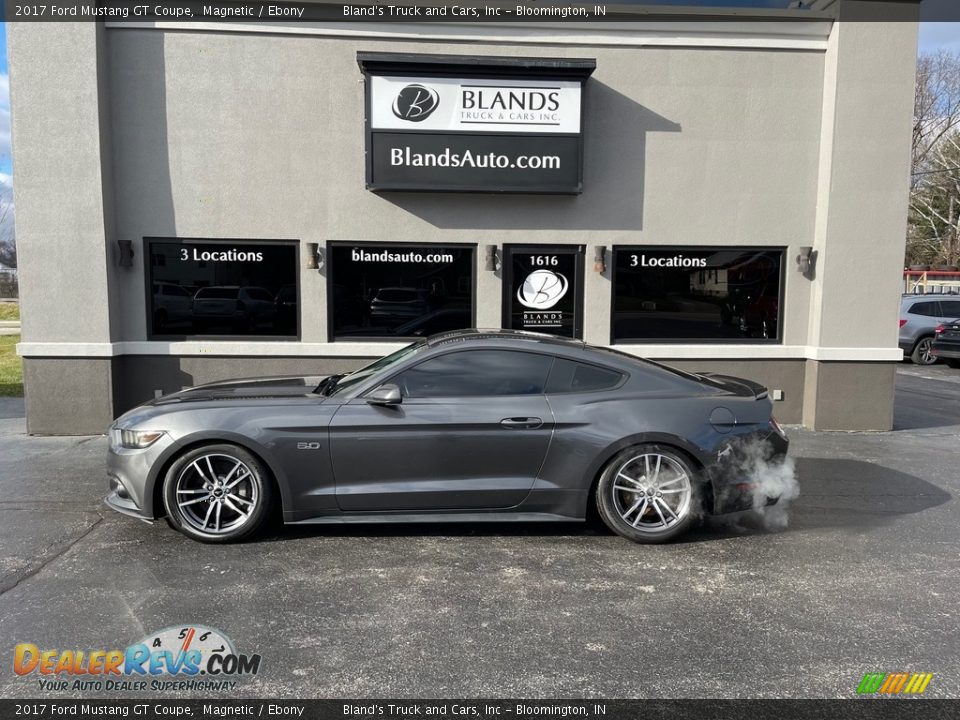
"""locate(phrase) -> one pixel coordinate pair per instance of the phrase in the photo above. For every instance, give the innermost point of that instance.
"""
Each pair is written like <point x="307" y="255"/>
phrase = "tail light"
<point x="776" y="427"/>
<point x="902" y="322"/>
<point x="939" y="329"/>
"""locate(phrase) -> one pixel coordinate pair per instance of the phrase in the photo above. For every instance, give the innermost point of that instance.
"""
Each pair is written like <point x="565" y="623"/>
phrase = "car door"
<point x="471" y="432"/>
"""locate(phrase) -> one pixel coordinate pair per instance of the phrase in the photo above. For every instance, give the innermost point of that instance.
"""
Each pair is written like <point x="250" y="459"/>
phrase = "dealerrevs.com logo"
<point x="415" y="103"/>
<point x="173" y="659"/>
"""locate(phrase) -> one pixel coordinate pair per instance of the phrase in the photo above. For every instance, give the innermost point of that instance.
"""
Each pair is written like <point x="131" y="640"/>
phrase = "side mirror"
<point x="388" y="394"/>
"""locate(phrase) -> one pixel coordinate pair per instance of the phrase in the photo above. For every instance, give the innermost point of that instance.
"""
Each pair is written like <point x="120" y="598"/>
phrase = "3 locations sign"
<point x="448" y="123"/>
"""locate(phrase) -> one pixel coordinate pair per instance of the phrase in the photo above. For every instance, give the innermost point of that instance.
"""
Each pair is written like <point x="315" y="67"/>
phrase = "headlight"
<point x="138" y="439"/>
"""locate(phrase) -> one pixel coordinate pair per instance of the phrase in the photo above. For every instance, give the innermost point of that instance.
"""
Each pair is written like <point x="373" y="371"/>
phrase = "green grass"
<point x="9" y="311"/>
<point x="11" y="368"/>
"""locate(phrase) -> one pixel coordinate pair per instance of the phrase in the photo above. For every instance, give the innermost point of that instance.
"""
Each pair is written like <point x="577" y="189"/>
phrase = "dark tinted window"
<point x="259" y="294"/>
<point x="569" y="376"/>
<point x="383" y="290"/>
<point x="217" y="293"/>
<point x="218" y="275"/>
<point x="929" y="309"/>
<point x="476" y="373"/>
<point x="697" y="294"/>
<point x="950" y="308"/>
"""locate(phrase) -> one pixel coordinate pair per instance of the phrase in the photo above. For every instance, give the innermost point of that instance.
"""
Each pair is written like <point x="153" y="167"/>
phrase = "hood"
<point x="245" y="389"/>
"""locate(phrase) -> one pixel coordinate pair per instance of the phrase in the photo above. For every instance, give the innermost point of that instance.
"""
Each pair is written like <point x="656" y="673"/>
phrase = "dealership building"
<point x="718" y="191"/>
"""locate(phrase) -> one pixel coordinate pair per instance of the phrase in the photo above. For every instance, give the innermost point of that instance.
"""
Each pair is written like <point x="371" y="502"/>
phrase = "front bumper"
<point x="750" y="473"/>
<point x="131" y="476"/>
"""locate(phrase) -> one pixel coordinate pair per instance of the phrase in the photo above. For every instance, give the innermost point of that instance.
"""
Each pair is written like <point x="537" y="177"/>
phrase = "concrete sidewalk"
<point x="864" y="579"/>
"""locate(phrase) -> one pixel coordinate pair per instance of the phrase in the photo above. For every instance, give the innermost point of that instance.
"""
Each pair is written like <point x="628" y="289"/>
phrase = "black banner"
<point x="352" y="709"/>
<point x="411" y="11"/>
<point x="474" y="163"/>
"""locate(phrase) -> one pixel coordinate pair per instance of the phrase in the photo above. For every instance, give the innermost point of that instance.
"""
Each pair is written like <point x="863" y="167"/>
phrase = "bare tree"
<point x="934" y="226"/>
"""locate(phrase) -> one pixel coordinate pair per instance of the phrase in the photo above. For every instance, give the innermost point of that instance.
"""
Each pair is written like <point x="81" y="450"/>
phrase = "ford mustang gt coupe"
<point x="462" y="426"/>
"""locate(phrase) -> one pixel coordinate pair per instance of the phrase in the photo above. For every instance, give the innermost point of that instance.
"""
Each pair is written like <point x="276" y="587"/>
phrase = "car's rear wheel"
<point x="921" y="352"/>
<point x="217" y="494"/>
<point x="648" y="494"/>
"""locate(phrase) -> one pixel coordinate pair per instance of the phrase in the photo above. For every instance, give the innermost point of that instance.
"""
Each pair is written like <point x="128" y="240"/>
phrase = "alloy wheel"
<point x="216" y="493"/>
<point x="652" y="492"/>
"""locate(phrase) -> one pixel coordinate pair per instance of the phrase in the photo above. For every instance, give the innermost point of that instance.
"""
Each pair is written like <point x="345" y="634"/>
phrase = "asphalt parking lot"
<point x="864" y="579"/>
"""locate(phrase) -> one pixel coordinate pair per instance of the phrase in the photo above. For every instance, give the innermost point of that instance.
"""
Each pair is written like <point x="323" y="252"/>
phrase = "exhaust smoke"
<point x="754" y="469"/>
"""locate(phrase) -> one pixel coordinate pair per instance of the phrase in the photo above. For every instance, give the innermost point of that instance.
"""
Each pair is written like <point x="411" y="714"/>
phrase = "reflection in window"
<point x="400" y="290"/>
<point x="697" y="294"/>
<point x="223" y="288"/>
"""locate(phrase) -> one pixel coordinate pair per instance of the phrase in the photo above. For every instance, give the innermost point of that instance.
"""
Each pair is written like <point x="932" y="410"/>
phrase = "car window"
<point x="928" y="309"/>
<point x="950" y="308"/>
<point x="258" y="294"/>
<point x="396" y="295"/>
<point x="569" y="376"/>
<point x="215" y="292"/>
<point x="358" y="376"/>
<point x="474" y="373"/>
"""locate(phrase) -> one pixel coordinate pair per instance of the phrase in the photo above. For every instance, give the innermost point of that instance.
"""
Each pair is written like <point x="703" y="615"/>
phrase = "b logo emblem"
<point x="415" y="103"/>
<point x="542" y="289"/>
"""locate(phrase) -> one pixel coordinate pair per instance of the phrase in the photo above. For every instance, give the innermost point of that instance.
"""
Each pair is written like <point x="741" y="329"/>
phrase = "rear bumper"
<point x="950" y="351"/>
<point x="750" y="473"/>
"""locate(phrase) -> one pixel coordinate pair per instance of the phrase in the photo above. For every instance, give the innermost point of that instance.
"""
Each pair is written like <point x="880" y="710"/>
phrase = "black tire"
<point x="614" y="505"/>
<point x="188" y="477"/>
<point x="953" y="363"/>
<point x="921" y="352"/>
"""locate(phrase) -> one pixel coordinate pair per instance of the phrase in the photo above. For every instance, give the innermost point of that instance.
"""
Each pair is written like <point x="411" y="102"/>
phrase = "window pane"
<point x="400" y="290"/>
<point x="923" y="308"/>
<point x="569" y="376"/>
<point x="223" y="288"/>
<point x="475" y="373"/>
<point x="697" y="295"/>
<point x="950" y="308"/>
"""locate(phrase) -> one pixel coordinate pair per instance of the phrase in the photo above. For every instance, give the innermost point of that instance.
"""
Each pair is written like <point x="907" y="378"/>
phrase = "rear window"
<point x="218" y="293"/>
<point x="928" y="309"/>
<point x="569" y="376"/>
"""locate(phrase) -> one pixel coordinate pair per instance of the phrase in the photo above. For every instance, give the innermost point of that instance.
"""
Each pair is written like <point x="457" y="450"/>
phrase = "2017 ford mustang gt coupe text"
<point x="463" y="426"/>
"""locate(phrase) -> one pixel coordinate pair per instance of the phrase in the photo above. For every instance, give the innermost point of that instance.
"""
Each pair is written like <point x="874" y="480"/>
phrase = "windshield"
<point x="359" y="376"/>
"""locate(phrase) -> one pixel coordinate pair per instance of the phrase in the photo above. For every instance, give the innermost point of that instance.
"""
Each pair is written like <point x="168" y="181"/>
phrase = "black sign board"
<point x="474" y="124"/>
<point x="543" y="289"/>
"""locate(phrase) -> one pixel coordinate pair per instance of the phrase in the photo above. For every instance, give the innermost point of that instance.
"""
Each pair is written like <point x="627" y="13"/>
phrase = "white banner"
<point x="475" y="105"/>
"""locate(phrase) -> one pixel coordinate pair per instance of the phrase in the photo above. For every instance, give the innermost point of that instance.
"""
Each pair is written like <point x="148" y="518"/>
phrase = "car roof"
<point x="500" y="335"/>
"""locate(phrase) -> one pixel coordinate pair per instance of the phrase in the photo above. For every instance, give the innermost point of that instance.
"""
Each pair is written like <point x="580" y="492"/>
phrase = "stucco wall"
<point x="230" y="135"/>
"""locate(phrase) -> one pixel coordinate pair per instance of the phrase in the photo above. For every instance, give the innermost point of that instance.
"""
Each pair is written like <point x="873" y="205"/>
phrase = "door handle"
<point x="522" y="423"/>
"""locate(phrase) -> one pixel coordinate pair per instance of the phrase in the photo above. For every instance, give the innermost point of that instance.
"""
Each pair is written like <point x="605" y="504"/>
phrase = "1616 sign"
<point x="543" y="290"/>
<point x="446" y="123"/>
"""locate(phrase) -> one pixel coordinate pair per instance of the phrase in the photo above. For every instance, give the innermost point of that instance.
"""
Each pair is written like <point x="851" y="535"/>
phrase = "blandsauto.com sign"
<point x="448" y="123"/>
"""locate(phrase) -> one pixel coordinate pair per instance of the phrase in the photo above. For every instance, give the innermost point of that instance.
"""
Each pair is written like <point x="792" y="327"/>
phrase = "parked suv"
<point x="919" y="317"/>
<point x="242" y="308"/>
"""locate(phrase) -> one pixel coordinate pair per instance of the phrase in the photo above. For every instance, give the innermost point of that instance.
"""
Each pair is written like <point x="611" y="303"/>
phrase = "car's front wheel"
<point x="217" y="494"/>
<point x="648" y="494"/>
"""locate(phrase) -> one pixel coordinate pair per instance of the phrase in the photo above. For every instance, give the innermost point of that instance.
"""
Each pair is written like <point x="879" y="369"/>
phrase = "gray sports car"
<point x="463" y="426"/>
